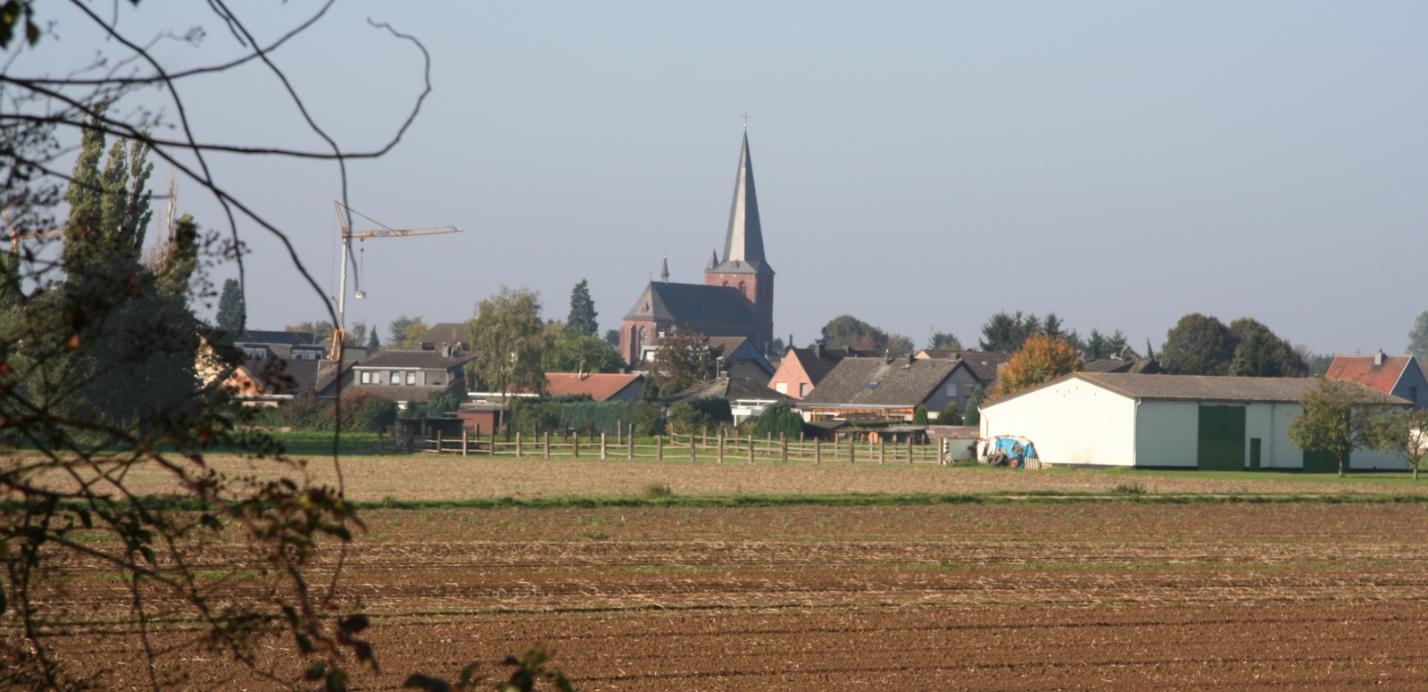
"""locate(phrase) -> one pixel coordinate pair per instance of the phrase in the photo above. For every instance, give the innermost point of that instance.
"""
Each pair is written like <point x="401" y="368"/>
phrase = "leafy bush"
<point x="779" y="418"/>
<point x="580" y="413"/>
<point x="919" y="415"/>
<point x="376" y="414"/>
<point x="694" y="415"/>
<point x="950" y="415"/>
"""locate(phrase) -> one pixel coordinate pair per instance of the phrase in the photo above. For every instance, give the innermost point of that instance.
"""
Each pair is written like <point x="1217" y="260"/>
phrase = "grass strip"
<point x="880" y="500"/>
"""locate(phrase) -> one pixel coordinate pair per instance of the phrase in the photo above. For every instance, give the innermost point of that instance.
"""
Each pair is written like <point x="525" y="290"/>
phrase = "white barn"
<point x="1176" y="421"/>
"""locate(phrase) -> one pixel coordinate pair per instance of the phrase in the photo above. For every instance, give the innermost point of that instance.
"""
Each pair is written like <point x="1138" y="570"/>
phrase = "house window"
<point x="951" y="391"/>
<point x="433" y="380"/>
<point x="396" y="377"/>
<point x="366" y="377"/>
<point x="411" y="377"/>
<point x="803" y="388"/>
<point x="781" y="387"/>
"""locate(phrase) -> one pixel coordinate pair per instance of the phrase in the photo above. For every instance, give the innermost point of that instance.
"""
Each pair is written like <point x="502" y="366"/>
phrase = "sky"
<point x="921" y="166"/>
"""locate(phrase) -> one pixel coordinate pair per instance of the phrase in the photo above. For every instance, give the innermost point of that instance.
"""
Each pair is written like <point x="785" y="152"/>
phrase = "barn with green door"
<point x="1174" y="421"/>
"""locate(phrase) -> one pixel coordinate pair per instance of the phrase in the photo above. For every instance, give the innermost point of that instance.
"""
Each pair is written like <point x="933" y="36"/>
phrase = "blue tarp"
<point x="1016" y="449"/>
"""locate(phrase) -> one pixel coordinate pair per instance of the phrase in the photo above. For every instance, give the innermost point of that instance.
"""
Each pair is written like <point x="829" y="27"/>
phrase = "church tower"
<point x="743" y="266"/>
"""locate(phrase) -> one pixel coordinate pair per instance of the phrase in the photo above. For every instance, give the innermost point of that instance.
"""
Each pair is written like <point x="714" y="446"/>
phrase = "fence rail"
<point x="717" y="448"/>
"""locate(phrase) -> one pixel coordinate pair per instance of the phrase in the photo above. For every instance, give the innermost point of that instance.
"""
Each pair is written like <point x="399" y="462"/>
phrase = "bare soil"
<point x="1314" y="595"/>
<point x="454" y="478"/>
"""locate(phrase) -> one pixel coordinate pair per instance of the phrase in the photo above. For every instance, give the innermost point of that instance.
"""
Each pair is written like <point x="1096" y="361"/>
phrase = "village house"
<point x="1400" y="376"/>
<point x="411" y="377"/>
<point x="747" y="397"/>
<point x="456" y="334"/>
<point x="889" y="388"/>
<point x="1172" y="421"/>
<point x="274" y="367"/>
<point x="599" y="386"/>
<point x="738" y="356"/>
<point x="976" y="369"/>
<point x="801" y="369"/>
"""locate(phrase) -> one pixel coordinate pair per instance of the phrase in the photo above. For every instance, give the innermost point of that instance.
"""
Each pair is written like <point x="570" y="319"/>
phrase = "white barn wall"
<point x="1071" y="422"/>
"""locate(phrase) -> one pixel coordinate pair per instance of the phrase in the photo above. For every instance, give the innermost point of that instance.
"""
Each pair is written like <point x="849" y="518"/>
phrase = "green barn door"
<point x="1255" y="453"/>
<point x="1221" y="442"/>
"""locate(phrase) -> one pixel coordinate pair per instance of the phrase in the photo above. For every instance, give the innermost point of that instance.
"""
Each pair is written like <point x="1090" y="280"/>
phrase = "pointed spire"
<point x="713" y="259"/>
<point x="744" y="242"/>
<point x="664" y="271"/>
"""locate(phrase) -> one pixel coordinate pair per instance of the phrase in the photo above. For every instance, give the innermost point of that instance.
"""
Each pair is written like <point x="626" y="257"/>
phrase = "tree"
<point x="949" y="414"/>
<point x="1006" y="332"/>
<point x="1403" y="433"/>
<point x="776" y="348"/>
<point x="972" y="413"/>
<point x="1041" y="359"/>
<point x="779" y="419"/>
<point x="1099" y="345"/>
<point x="682" y="360"/>
<point x="612" y="337"/>
<point x="374" y="344"/>
<point x="406" y="332"/>
<point x="1260" y="353"/>
<point x="572" y="350"/>
<point x="508" y="340"/>
<point x="1198" y="345"/>
<point x="694" y="415"/>
<point x="851" y="332"/>
<point x="919" y="415"/>
<point x="1418" y="337"/>
<point x="582" y="310"/>
<point x="96" y="357"/>
<point x="944" y="341"/>
<point x="1337" y="419"/>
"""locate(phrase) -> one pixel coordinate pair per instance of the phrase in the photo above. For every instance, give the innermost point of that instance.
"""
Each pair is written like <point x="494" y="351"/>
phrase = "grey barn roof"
<point x="1212" y="388"/>
<point x="675" y="302"/>
<point x="875" y="382"/>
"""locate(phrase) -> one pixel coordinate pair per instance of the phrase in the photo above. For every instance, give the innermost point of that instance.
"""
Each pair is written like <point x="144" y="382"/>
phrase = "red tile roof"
<point x="1361" y="369"/>
<point x="597" y="386"/>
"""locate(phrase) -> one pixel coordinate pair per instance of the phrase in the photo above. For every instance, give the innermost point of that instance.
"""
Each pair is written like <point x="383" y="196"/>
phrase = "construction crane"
<point x="339" y="333"/>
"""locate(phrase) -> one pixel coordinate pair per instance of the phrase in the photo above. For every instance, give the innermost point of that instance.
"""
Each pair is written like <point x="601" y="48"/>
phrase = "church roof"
<point x="692" y="303"/>
<point x="744" y="242"/>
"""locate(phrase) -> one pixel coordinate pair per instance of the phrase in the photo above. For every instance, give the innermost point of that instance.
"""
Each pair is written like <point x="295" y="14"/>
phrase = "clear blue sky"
<point x="920" y="165"/>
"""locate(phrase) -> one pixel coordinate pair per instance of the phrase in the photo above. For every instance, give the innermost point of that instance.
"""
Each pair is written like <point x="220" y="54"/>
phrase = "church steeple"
<point x="664" y="270"/>
<point x="744" y="242"/>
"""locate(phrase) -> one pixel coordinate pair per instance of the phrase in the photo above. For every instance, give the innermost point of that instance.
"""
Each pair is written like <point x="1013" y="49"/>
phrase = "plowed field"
<point x="1029" y="596"/>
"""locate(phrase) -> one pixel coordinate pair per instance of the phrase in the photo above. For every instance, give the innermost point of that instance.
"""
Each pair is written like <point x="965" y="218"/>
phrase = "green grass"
<point x="319" y="443"/>
<point x="1359" y="477"/>
<point x="883" y="499"/>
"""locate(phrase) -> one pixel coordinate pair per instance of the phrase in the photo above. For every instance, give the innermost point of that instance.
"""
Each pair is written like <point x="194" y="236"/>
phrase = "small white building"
<point x="1175" y="421"/>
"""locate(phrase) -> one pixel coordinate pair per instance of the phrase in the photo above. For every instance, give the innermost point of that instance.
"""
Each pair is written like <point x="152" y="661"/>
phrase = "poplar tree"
<point x="232" y="311"/>
<point x="582" y="310"/>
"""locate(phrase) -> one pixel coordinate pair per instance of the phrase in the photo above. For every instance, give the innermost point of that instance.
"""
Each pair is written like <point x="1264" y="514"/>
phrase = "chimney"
<point x="818" y="350"/>
<point x="1378" y="358"/>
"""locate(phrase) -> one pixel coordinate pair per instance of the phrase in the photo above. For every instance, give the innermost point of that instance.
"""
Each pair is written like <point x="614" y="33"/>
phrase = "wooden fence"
<point x="717" y="448"/>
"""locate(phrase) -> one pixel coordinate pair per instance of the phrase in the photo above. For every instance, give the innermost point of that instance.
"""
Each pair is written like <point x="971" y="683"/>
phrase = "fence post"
<point x="576" y="446"/>
<point x="751" y="448"/>
<point x="438" y="442"/>
<point x="909" y="449"/>
<point x="602" y="447"/>
<point x="706" y="435"/>
<point x="783" y="447"/>
<point x="692" y="440"/>
<point x="852" y="446"/>
<point x="464" y="442"/>
<point x="659" y="447"/>
<point x="817" y="450"/>
<point x="619" y="432"/>
<point x="720" y="453"/>
<point x="882" y="448"/>
<point x="545" y="444"/>
<point x="630" y="440"/>
<point x="518" y="444"/>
